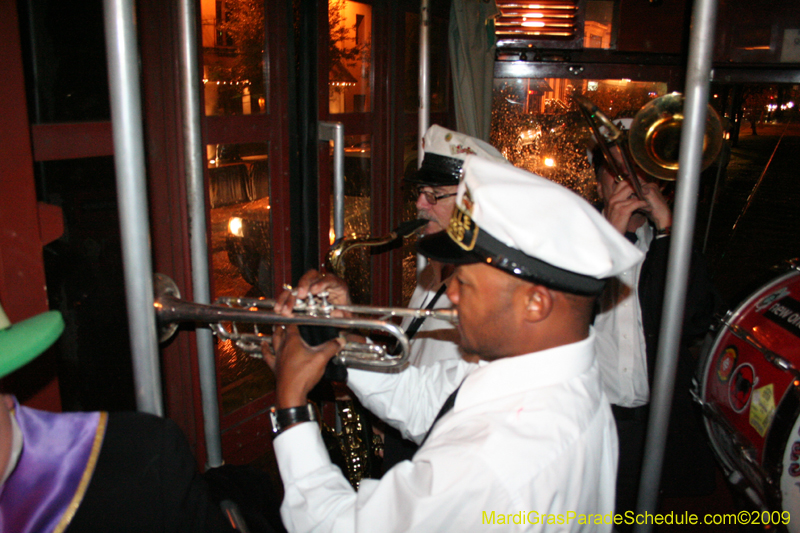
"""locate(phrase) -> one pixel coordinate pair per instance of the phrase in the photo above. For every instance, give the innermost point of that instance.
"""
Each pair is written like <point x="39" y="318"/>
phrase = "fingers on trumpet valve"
<point x="285" y="302"/>
<point x="289" y="301"/>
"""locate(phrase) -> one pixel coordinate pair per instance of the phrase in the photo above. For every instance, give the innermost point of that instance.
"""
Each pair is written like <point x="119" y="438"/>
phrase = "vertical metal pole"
<point x="424" y="93"/>
<point x="424" y="78"/>
<point x="695" y="107"/>
<point x="195" y="189"/>
<point x="334" y="131"/>
<point x="126" y="120"/>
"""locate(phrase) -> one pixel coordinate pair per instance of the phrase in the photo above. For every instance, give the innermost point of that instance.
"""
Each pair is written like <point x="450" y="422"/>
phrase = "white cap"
<point x="531" y="228"/>
<point x="445" y="151"/>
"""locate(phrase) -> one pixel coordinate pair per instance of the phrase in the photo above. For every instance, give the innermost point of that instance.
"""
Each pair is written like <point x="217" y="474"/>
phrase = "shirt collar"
<point x="512" y="375"/>
<point x="644" y="233"/>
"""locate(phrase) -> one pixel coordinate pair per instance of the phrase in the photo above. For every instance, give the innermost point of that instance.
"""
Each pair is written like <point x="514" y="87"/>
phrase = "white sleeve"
<point x="411" y="399"/>
<point x="415" y="496"/>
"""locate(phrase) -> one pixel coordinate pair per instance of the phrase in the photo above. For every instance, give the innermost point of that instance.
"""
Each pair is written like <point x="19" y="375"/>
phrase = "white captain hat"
<point x="531" y="228"/>
<point x="445" y="151"/>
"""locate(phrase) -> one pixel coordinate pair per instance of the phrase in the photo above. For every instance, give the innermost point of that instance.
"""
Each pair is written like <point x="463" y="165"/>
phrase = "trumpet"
<point x="241" y="320"/>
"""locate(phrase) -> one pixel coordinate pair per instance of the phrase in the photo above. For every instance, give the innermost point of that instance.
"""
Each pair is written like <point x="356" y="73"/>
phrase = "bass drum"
<point x="748" y="386"/>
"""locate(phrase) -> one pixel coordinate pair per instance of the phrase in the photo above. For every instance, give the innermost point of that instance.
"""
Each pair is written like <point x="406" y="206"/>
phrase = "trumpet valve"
<point x="314" y="305"/>
<point x="324" y="305"/>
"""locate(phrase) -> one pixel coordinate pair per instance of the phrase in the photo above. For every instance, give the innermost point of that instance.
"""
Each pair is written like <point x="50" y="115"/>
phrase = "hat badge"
<point x="462" y="229"/>
<point x="460" y="149"/>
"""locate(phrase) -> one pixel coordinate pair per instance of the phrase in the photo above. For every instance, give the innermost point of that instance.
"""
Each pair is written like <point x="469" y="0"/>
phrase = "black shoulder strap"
<point x="417" y="322"/>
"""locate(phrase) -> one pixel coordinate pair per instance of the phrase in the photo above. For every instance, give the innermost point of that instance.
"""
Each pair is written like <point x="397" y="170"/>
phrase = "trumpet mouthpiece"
<point x="448" y="315"/>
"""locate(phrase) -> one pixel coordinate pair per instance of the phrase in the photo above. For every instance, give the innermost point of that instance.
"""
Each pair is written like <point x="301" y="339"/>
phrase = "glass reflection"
<point x="537" y="127"/>
<point x="234" y="57"/>
<point x="241" y="255"/>
<point x="747" y="200"/>
<point x="598" y="26"/>
<point x="349" y="80"/>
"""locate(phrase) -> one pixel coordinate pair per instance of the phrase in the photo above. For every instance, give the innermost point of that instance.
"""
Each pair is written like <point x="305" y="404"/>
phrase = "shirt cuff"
<point x="300" y="450"/>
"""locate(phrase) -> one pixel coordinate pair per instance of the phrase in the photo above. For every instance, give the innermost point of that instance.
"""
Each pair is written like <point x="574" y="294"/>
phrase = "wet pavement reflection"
<point x="242" y="378"/>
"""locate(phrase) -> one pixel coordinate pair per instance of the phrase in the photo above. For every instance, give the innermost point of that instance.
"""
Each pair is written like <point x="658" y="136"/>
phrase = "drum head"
<point x="748" y="390"/>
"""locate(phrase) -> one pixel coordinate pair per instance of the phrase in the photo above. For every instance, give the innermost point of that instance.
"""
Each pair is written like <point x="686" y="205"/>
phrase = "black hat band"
<point x="531" y="269"/>
<point x="439" y="170"/>
<point x="468" y="236"/>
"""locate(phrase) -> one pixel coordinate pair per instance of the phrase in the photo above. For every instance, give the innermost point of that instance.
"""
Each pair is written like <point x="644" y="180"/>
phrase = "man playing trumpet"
<point x="526" y="435"/>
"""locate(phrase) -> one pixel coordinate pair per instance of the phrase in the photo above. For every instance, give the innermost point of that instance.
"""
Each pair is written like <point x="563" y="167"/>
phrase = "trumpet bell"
<point x="655" y="136"/>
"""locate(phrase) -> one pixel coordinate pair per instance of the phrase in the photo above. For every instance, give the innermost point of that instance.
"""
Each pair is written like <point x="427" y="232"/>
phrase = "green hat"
<point x="22" y="342"/>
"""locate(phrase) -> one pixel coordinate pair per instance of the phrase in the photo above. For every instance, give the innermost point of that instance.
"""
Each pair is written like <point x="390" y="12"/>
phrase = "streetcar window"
<point x="537" y="127"/>
<point x="349" y="78"/>
<point x="234" y="57"/>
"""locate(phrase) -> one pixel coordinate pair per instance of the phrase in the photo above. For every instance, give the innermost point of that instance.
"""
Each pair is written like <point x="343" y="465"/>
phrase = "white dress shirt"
<point x="528" y="436"/>
<point x="435" y="340"/>
<point x="621" y="349"/>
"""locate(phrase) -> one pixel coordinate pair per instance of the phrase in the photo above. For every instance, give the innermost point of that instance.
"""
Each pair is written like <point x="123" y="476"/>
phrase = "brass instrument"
<point x="655" y="136"/>
<point x="334" y="261"/>
<point x="354" y="439"/>
<point x="653" y="140"/>
<point x="612" y="137"/>
<point x="239" y="320"/>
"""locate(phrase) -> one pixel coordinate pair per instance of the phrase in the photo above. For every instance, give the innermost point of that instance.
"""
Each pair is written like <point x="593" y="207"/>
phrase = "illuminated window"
<point x="234" y="72"/>
<point x="537" y="127"/>
<point x="349" y="83"/>
<point x="240" y="239"/>
<point x="597" y="24"/>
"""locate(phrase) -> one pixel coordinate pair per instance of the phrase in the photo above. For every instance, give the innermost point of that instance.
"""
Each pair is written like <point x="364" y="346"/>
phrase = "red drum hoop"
<point x="749" y="388"/>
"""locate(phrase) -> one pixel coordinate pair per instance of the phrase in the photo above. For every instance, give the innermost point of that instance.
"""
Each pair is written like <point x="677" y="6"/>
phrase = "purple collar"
<point x="59" y="453"/>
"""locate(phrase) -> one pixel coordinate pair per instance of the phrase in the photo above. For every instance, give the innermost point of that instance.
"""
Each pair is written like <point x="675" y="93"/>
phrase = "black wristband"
<point x="280" y="419"/>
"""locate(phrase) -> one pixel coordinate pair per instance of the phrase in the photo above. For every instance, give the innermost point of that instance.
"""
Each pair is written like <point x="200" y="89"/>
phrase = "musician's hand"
<point x="658" y="209"/>
<point x="314" y="282"/>
<point x="297" y="367"/>
<point x="621" y="206"/>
